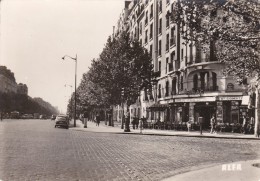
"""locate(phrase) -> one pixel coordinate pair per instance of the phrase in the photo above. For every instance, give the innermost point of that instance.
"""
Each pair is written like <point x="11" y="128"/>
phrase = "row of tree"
<point x="24" y="104"/>
<point x="122" y="69"/>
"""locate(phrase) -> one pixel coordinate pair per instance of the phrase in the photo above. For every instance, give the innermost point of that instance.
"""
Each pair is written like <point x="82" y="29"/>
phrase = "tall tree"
<point x="122" y="65"/>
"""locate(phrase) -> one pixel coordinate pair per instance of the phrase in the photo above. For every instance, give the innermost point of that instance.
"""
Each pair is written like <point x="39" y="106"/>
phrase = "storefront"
<point x="232" y="109"/>
<point x="193" y="108"/>
<point x="179" y="112"/>
<point x="158" y="112"/>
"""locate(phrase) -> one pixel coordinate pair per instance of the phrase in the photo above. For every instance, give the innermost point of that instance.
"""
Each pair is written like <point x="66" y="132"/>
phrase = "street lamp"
<point x="123" y="114"/>
<point x="75" y="84"/>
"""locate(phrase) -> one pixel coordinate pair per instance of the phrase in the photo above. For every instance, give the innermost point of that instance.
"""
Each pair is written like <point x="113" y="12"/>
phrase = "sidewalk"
<point x="238" y="171"/>
<point x="91" y="126"/>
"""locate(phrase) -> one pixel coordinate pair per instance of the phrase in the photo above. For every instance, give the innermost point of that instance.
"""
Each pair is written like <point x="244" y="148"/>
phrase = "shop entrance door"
<point x="205" y="111"/>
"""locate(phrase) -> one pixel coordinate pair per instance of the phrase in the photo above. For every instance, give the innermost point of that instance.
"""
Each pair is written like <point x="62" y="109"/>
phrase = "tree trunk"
<point x="105" y="116"/>
<point x="257" y="112"/>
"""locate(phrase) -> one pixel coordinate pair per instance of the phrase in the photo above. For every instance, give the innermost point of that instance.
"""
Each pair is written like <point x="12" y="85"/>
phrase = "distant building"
<point x="22" y="89"/>
<point x="7" y="80"/>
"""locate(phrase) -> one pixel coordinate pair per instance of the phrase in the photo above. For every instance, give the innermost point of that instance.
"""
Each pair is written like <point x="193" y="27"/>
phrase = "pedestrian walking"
<point x="213" y="124"/>
<point x="244" y="125"/>
<point x="142" y="121"/>
<point x="85" y="118"/>
<point x="97" y="120"/>
<point x="189" y="125"/>
<point x="1" y="115"/>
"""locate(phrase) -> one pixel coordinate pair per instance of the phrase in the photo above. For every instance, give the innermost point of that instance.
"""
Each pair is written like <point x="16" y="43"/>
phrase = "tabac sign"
<point x="230" y="98"/>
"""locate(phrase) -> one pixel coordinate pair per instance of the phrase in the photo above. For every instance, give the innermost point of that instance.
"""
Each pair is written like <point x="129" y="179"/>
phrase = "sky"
<point x="36" y="34"/>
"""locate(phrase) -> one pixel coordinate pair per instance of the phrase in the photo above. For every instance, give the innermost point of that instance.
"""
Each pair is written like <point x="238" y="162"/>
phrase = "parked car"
<point x="27" y="116"/>
<point x="62" y="121"/>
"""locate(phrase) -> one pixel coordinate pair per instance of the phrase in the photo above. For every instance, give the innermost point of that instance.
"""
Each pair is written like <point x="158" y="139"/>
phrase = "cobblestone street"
<point x="35" y="150"/>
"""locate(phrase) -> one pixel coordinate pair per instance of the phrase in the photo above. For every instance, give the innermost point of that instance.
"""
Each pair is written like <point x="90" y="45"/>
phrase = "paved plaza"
<point x="35" y="150"/>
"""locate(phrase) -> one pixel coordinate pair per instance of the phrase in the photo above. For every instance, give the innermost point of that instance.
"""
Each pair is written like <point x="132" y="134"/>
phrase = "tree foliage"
<point x="122" y="65"/>
<point x="229" y="28"/>
<point x="18" y="102"/>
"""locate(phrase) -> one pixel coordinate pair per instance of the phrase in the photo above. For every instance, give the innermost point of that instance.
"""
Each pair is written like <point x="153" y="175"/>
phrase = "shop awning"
<point x="158" y="106"/>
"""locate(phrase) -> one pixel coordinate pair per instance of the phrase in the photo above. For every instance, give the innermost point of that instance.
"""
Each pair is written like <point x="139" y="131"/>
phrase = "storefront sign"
<point x="201" y="99"/>
<point x="234" y="98"/>
<point x="245" y="100"/>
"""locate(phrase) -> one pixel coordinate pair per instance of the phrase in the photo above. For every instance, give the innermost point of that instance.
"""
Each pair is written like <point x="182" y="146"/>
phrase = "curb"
<point x="162" y="134"/>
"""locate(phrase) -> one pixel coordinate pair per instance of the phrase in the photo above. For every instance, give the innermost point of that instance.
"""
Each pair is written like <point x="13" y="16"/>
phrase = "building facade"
<point x="7" y="81"/>
<point x="190" y="83"/>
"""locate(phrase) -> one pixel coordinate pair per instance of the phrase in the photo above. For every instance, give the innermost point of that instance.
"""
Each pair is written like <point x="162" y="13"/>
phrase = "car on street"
<point x="27" y="116"/>
<point x="62" y="121"/>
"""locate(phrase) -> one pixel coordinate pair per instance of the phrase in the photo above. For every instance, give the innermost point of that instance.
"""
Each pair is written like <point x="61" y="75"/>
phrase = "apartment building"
<point x="190" y="83"/>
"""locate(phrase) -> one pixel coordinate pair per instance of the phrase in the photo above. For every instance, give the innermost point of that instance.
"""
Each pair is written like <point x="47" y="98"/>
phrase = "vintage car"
<point x="62" y="121"/>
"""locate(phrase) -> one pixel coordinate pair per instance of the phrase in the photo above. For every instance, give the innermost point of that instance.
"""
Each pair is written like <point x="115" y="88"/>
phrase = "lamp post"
<point x="123" y="114"/>
<point x="75" y="59"/>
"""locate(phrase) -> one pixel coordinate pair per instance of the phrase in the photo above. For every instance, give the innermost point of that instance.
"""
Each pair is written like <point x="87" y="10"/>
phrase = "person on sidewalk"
<point x="189" y="125"/>
<point x="244" y="125"/>
<point x="97" y="120"/>
<point x="212" y="124"/>
<point x="85" y="118"/>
